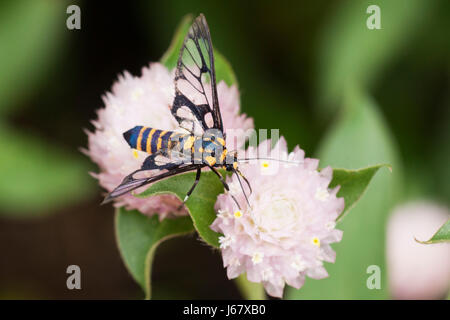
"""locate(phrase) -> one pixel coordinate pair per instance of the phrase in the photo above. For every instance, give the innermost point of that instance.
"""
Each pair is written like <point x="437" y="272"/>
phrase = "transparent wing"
<point x="196" y="105"/>
<point x="131" y="183"/>
<point x="159" y="162"/>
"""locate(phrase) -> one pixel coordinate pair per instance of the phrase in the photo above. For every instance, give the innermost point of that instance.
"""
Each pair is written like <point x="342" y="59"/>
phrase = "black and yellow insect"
<point x="203" y="144"/>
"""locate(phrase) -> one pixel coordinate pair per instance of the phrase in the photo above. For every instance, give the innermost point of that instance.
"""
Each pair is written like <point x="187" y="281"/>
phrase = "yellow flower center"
<point x="316" y="241"/>
<point x="238" y="214"/>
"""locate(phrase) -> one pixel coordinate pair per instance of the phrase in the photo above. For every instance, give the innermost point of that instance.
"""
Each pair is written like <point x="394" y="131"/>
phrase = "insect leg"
<point x="225" y="184"/>
<point x="197" y="179"/>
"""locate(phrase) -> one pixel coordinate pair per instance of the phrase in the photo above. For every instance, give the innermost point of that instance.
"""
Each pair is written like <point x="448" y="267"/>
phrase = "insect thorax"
<point x="207" y="149"/>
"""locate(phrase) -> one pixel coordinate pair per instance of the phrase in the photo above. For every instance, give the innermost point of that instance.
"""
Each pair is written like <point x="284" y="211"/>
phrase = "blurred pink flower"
<point x="415" y="270"/>
<point x="286" y="233"/>
<point x="144" y="100"/>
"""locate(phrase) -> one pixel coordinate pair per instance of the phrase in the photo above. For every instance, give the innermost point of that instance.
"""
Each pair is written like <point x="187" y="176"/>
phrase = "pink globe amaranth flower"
<point x="286" y="233"/>
<point x="144" y="100"/>
<point x="415" y="270"/>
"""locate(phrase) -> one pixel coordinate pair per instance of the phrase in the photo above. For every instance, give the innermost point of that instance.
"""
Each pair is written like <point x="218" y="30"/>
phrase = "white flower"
<point x="285" y="233"/>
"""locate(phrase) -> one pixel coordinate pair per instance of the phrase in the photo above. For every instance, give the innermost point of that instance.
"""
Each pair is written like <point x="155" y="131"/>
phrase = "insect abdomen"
<point x="148" y="139"/>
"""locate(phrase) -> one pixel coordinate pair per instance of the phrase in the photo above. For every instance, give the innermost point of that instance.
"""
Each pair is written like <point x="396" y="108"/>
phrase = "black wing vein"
<point x="195" y="81"/>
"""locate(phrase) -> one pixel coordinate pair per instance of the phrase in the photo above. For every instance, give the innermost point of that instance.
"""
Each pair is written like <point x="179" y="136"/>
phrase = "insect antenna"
<point x="235" y="201"/>
<point x="271" y="159"/>
<point x="242" y="187"/>
<point x="246" y="180"/>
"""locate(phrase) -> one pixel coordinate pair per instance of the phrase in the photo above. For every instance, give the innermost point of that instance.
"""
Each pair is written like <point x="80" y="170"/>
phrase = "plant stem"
<point x="250" y="290"/>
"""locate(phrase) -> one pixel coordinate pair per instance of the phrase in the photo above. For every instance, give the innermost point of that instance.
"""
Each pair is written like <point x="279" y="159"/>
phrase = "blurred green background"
<point x="346" y="94"/>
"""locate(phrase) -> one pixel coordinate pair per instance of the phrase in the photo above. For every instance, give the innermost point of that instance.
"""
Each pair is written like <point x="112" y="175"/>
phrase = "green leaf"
<point x="359" y="138"/>
<point x="442" y="235"/>
<point x="353" y="184"/>
<point x="31" y="37"/>
<point x="201" y="202"/>
<point x="138" y="236"/>
<point x="37" y="178"/>
<point x="222" y="66"/>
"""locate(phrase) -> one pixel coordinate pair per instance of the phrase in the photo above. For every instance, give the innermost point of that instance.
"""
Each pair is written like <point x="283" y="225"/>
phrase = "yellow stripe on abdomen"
<point x="139" y="139"/>
<point x="148" y="148"/>
<point x="161" y="134"/>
